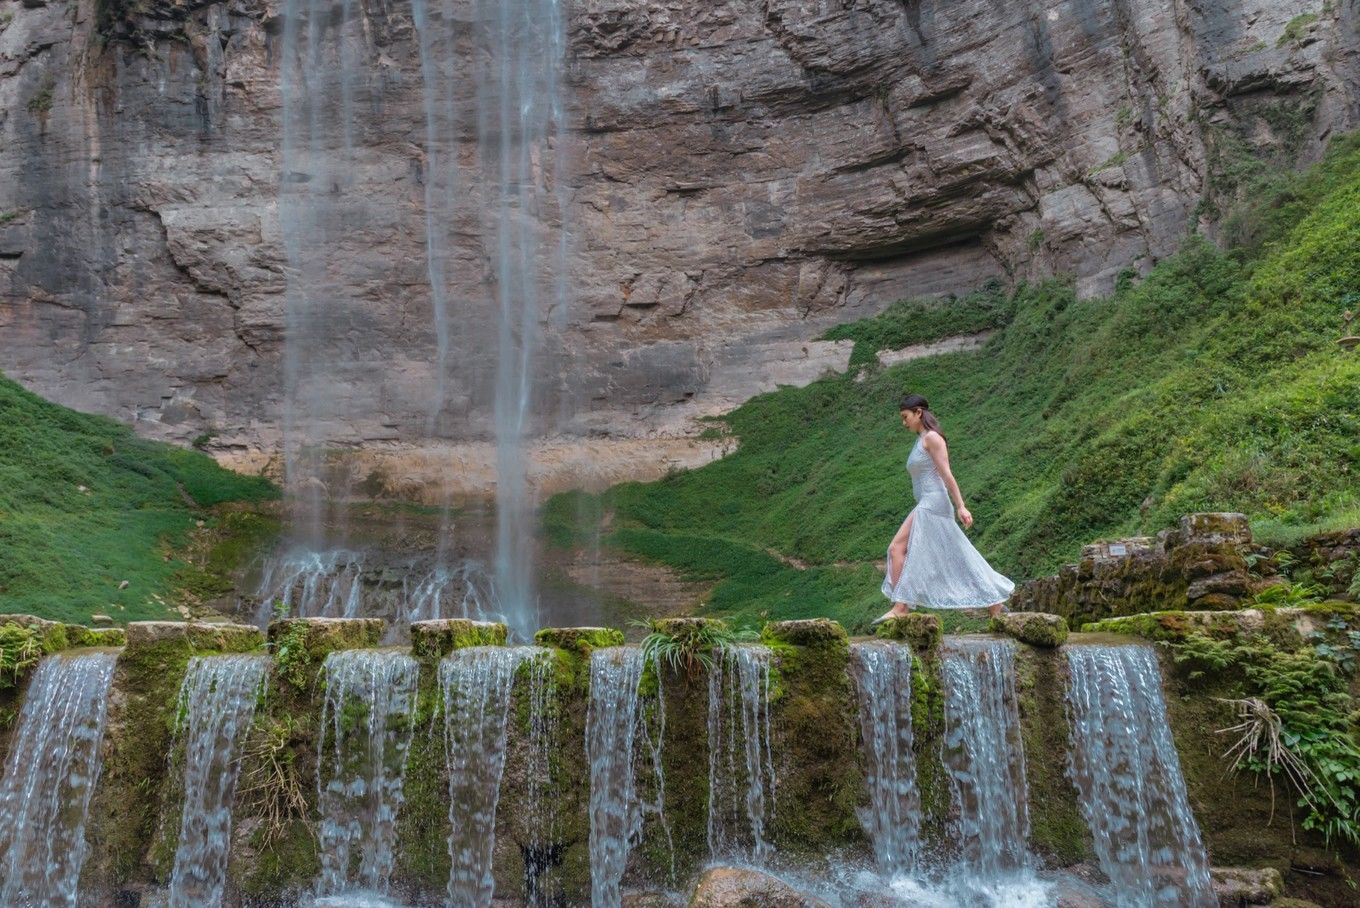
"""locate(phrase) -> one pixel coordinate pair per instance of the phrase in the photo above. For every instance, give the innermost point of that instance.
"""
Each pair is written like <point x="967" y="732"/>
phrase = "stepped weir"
<point x="576" y="771"/>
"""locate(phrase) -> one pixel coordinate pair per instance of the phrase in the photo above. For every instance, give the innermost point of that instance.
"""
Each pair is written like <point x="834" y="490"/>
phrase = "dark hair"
<point x="917" y="402"/>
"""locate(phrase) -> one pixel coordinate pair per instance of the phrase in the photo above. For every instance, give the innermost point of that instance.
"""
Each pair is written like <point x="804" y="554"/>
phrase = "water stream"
<point x="882" y="673"/>
<point x="1125" y="767"/>
<point x="476" y="683"/>
<point x="366" y="729"/>
<point x="984" y="755"/>
<point x="741" y="776"/>
<point x="216" y="704"/>
<point x="50" y="775"/>
<point x="611" y="730"/>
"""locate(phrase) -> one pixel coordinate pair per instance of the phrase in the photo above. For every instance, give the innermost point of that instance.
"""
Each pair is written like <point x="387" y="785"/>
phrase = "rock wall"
<point x="815" y="754"/>
<point x="740" y="175"/>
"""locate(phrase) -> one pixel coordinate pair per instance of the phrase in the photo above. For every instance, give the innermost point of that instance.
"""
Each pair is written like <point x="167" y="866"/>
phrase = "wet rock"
<point x="807" y="632"/>
<point x="579" y="639"/>
<point x="434" y="639"/>
<point x="1034" y="628"/>
<point x="200" y="635"/>
<point x="921" y="630"/>
<point x="1236" y="886"/>
<point x="736" y="887"/>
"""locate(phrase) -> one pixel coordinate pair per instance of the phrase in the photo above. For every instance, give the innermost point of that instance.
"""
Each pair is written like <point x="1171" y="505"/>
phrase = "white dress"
<point x="942" y="569"/>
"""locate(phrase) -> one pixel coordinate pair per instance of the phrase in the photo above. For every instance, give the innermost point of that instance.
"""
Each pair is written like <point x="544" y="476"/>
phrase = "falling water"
<point x="882" y="673"/>
<point x="520" y="142"/>
<point x="347" y="584"/>
<point x="476" y="684"/>
<point x="984" y="755"/>
<point x="366" y="728"/>
<point x="323" y="63"/>
<point x="216" y="702"/>
<point x="50" y="774"/>
<point x="611" y="728"/>
<point x="1125" y="767"/>
<point x="540" y="806"/>
<point x="740" y="767"/>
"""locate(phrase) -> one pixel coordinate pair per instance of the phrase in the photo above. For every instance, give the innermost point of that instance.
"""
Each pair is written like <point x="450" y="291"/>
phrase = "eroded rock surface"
<point x="742" y="174"/>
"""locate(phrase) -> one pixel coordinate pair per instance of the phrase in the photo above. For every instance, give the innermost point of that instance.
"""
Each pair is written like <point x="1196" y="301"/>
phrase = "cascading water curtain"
<point x="882" y="673"/>
<point x="323" y="70"/>
<point x="540" y="809"/>
<point x="1125" y="767"/>
<point x="50" y="774"/>
<point x="521" y="132"/>
<point x="741" y="779"/>
<point x="366" y="727"/>
<point x="985" y="756"/>
<point x="611" y="730"/>
<point x="476" y="684"/>
<point x="217" y="703"/>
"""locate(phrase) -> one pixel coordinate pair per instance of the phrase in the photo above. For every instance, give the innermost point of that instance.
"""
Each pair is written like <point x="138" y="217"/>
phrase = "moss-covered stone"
<point x="579" y="640"/>
<point x="1034" y="628"/>
<point x="136" y="785"/>
<point x="815" y="734"/>
<point x="927" y="725"/>
<point x="921" y="630"/>
<point x="433" y="640"/>
<point x="806" y="632"/>
<point x="300" y="645"/>
<point x="1058" y="833"/>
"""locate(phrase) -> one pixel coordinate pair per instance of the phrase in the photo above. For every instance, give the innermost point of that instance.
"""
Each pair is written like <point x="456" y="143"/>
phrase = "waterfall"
<point x="882" y="673"/>
<point x="520" y="142"/>
<point x="216" y="704"/>
<point x="476" y="684"/>
<point x="611" y="728"/>
<point x="50" y="775"/>
<point x="366" y="722"/>
<point x="309" y="584"/>
<point x="984" y="755"/>
<point x="740" y="767"/>
<point x="540" y="805"/>
<point x="1125" y="767"/>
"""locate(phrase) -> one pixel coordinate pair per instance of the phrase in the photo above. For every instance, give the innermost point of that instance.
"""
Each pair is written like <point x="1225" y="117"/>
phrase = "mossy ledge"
<point x="1034" y="628"/>
<point x="921" y="630"/>
<point x="816" y="750"/>
<point x="433" y="640"/>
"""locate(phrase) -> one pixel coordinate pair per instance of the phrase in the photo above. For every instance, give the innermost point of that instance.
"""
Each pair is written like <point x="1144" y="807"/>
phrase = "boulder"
<point x="579" y="639"/>
<point x="806" y="632"/>
<point x="922" y="631"/>
<point x="1236" y="886"/>
<point x="740" y="887"/>
<point x="1034" y="628"/>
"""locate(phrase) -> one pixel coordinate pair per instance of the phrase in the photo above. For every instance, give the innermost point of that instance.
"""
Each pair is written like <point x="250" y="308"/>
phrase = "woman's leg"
<point x="897" y="559"/>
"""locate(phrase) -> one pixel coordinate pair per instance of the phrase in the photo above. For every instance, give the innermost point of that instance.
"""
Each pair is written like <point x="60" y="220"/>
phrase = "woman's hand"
<point x="965" y="517"/>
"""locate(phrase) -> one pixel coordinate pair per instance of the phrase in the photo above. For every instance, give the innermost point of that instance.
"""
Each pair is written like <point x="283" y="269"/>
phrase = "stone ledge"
<point x="806" y="632"/>
<point x="922" y="631"/>
<point x="198" y="635"/>
<point x="1034" y="628"/>
<point x="435" y="639"/>
<point x="327" y="634"/>
<point x="581" y="640"/>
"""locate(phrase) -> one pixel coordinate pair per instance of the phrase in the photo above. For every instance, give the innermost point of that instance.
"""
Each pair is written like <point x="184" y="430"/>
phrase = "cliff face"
<point x="739" y="175"/>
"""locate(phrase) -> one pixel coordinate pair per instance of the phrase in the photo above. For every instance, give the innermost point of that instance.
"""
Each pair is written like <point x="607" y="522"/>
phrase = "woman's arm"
<point x="935" y="446"/>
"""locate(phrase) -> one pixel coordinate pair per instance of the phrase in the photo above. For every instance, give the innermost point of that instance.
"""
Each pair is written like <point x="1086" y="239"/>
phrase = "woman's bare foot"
<point x="996" y="610"/>
<point x="899" y="610"/>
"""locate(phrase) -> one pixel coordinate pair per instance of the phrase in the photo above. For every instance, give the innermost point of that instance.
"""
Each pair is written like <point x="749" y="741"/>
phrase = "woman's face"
<point x="911" y="420"/>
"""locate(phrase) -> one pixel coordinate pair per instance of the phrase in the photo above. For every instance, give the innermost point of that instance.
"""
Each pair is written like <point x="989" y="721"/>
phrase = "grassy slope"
<point x="64" y="552"/>
<point x="1214" y="383"/>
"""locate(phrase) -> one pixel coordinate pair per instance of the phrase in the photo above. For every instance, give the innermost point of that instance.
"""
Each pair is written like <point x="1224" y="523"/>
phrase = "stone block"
<point x="433" y="640"/>
<point x="922" y="631"/>
<point x="579" y="640"/>
<point x="1034" y="628"/>
<point x="806" y="632"/>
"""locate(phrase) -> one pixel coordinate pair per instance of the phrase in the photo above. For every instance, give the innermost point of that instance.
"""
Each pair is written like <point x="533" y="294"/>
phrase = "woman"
<point x="930" y="561"/>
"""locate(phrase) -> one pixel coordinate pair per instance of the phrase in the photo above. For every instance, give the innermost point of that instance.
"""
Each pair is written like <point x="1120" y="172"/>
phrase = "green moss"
<point x="921" y="630"/>
<point x="927" y="724"/>
<point x="579" y="640"/>
<point x="1034" y="628"/>
<point x="1296" y="29"/>
<point x="216" y="551"/>
<point x="300" y="645"/>
<point x="910" y="322"/>
<point x="433" y="640"/>
<point x="1058" y="833"/>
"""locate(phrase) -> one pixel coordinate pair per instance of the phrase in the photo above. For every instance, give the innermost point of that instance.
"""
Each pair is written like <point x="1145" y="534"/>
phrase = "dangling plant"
<point x="691" y="646"/>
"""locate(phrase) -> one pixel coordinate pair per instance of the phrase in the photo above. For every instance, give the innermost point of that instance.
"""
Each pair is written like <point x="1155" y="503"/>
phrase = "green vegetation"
<point x="1295" y="717"/>
<point x="85" y="505"/>
<point x="919" y="322"/>
<point x="688" y="645"/>
<point x="1215" y="383"/>
<point x="1296" y="29"/>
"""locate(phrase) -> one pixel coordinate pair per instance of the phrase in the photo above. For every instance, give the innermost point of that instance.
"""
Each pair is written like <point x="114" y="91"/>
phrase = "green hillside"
<point x="85" y="505"/>
<point x="1215" y="382"/>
